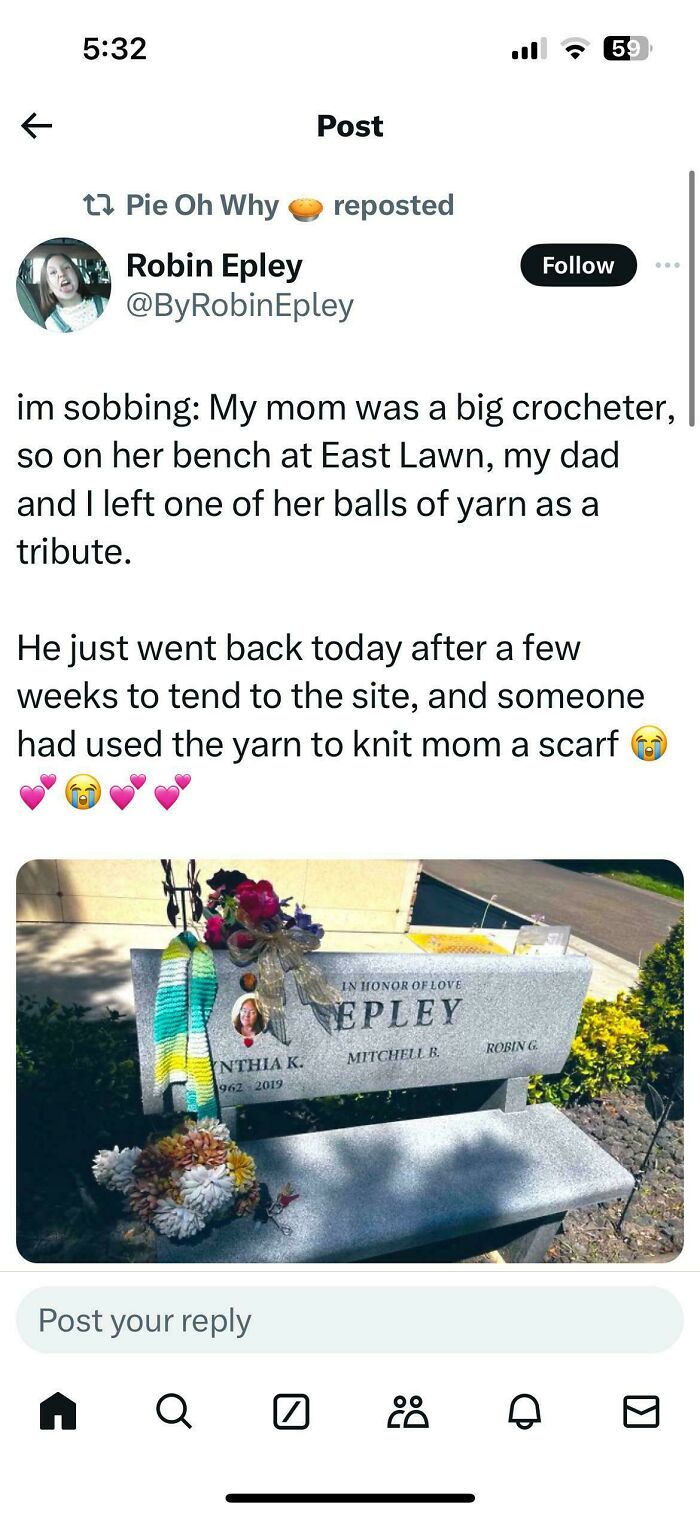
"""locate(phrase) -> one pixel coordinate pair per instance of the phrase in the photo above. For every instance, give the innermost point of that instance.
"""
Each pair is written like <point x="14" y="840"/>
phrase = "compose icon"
<point x="290" y="1412"/>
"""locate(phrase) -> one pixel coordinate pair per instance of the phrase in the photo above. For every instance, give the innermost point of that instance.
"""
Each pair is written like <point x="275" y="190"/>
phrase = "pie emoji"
<point x="305" y="209"/>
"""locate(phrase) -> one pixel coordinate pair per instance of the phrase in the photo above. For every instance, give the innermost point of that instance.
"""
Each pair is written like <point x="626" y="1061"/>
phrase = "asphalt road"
<point x="619" y="918"/>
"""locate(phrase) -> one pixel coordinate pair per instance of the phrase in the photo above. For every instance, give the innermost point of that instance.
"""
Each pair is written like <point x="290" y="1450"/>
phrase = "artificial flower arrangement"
<point x="191" y="1179"/>
<point x="248" y="918"/>
<point x="241" y="913"/>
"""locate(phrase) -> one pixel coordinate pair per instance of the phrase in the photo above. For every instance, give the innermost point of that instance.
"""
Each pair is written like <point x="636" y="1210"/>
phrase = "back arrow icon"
<point x="31" y="125"/>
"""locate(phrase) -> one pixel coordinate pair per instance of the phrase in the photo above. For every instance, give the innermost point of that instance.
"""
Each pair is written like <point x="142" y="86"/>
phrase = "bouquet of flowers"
<point x="241" y="913"/>
<point x="189" y="1180"/>
<point x="248" y="918"/>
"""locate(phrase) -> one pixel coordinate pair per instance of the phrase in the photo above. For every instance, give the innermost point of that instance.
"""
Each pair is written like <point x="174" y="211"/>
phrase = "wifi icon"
<point x="575" y="46"/>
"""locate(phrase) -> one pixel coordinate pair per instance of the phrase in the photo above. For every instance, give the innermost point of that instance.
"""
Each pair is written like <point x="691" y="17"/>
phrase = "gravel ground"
<point x="653" y="1228"/>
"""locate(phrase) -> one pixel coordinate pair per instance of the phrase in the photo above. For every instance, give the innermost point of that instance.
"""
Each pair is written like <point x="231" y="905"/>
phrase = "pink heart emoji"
<point x="122" y="795"/>
<point x="47" y="780"/>
<point x="32" y="795"/>
<point x="167" y="795"/>
<point x="138" y="780"/>
<point x="183" y="780"/>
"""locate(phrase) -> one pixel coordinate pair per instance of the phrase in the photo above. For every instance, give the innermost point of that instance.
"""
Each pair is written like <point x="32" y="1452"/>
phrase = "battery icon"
<point x="626" y="49"/>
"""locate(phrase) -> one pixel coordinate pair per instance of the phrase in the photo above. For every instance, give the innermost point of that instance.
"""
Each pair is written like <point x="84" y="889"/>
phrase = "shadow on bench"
<point x="491" y="1178"/>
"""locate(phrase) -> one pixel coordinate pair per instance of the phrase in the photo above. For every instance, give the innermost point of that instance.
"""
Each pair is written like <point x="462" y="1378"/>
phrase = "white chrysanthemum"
<point x="206" y="1190"/>
<point x="114" y="1167"/>
<point x="215" y="1127"/>
<point x="176" y="1221"/>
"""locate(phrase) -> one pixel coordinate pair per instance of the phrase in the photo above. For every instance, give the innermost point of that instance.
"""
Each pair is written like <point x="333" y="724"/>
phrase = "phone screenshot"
<point x="348" y="749"/>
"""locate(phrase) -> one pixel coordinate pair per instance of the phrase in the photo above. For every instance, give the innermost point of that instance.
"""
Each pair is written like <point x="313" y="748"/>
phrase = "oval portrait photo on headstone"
<point x="249" y="1018"/>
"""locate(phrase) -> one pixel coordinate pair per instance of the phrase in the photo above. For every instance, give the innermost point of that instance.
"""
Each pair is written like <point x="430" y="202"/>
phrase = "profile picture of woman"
<point x="248" y="1019"/>
<point x="63" y="285"/>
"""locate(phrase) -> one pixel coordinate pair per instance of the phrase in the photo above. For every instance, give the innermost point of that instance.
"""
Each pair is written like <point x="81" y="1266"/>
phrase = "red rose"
<point x="214" y="933"/>
<point x="244" y="940"/>
<point x="258" y="900"/>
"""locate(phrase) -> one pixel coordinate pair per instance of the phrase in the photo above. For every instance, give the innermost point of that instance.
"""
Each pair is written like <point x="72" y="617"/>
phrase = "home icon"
<point x="57" y="1408"/>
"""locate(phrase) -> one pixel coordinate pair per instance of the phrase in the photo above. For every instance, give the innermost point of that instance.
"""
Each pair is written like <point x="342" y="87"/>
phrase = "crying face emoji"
<point x="649" y="743"/>
<point x="83" y="792"/>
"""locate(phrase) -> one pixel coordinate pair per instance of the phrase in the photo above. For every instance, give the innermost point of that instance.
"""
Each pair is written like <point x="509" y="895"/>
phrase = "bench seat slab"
<point x="373" y="1190"/>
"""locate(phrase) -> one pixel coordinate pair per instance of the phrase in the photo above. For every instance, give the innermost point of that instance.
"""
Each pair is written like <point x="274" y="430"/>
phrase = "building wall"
<point x="352" y="895"/>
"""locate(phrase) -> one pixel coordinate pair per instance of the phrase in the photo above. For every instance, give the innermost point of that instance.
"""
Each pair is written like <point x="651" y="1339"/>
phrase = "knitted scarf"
<point x="185" y="996"/>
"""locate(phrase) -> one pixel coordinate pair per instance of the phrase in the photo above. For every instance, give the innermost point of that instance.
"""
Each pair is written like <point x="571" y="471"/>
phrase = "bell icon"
<point x="524" y="1411"/>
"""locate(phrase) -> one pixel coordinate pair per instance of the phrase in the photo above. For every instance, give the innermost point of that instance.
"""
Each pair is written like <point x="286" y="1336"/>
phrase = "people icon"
<point x="400" y="1417"/>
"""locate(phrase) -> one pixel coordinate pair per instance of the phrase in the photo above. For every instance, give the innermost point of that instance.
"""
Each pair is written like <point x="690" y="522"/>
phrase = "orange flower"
<point x="241" y="1169"/>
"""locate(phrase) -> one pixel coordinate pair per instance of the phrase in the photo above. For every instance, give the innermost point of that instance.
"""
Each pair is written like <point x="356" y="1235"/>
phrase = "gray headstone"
<point x="405" y="1021"/>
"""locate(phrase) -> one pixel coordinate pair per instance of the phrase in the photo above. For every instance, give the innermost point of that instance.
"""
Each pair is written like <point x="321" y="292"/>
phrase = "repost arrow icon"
<point x="31" y="125"/>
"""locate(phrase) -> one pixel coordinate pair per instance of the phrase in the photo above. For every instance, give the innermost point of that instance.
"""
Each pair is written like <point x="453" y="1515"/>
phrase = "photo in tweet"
<point x="314" y="1061"/>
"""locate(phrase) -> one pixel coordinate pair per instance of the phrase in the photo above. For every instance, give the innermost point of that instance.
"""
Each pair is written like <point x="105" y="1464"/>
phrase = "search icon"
<point x="165" y="1411"/>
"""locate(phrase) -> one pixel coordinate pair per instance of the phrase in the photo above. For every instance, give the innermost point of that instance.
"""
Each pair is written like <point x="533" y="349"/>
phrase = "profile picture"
<point x="63" y="285"/>
<point x="248" y="1018"/>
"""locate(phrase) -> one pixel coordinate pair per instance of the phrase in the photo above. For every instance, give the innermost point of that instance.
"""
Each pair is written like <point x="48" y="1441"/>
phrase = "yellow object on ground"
<point x="457" y="942"/>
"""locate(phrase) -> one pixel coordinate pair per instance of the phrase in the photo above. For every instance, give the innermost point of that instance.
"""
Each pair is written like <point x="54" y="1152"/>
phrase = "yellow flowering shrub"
<point x="611" y="1049"/>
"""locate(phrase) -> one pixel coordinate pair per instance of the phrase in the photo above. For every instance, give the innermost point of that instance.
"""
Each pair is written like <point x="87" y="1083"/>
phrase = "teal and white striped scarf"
<point x="186" y="993"/>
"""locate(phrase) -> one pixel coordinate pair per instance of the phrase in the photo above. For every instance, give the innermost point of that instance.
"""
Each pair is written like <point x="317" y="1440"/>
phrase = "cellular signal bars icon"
<point x="533" y="50"/>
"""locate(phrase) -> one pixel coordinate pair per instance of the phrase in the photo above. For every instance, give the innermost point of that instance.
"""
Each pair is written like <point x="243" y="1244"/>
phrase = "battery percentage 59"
<point x="626" y="49"/>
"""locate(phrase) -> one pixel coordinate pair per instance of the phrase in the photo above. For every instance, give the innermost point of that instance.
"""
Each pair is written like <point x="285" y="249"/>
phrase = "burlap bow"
<point x="278" y="951"/>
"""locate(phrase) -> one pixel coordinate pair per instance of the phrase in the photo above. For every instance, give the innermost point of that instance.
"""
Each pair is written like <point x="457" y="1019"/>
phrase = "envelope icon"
<point x="641" y="1411"/>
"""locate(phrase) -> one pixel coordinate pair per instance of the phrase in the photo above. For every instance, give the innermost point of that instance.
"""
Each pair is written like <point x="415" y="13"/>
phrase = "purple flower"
<point x="303" y="921"/>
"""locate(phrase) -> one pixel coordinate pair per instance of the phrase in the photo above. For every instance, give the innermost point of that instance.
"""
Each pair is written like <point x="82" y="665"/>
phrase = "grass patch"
<point x="661" y="876"/>
<point x="646" y="882"/>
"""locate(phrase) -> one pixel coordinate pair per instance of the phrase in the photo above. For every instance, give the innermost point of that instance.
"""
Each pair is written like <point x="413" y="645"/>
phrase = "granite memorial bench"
<point x="499" y="1174"/>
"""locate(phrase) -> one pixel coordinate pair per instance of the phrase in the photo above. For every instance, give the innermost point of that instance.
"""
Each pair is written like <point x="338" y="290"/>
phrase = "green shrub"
<point x="658" y="998"/>
<point x="610" y="1047"/>
<point x="77" y="1091"/>
<point x="77" y="1083"/>
<point x="635" y="1040"/>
